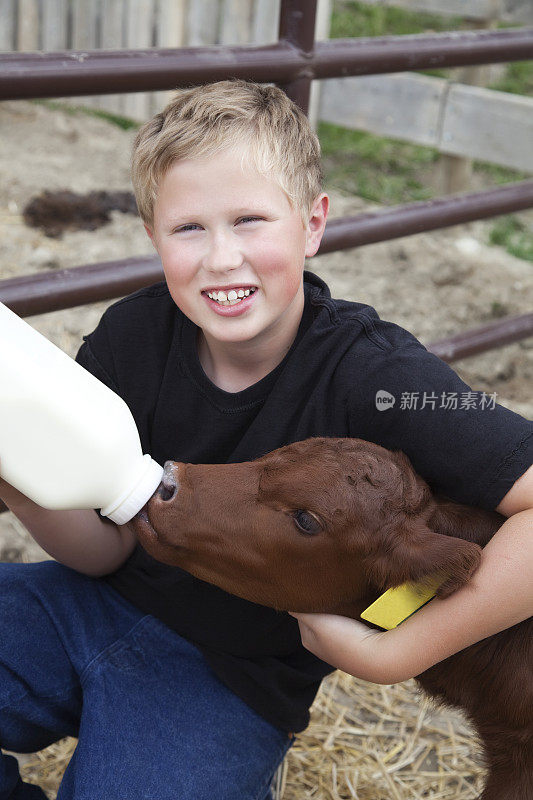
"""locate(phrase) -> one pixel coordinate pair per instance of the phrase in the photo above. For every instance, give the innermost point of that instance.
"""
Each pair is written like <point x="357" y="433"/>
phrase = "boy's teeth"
<point x="232" y="297"/>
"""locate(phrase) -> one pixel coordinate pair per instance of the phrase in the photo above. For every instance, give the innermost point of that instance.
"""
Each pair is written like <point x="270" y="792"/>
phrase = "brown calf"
<point x="327" y="525"/>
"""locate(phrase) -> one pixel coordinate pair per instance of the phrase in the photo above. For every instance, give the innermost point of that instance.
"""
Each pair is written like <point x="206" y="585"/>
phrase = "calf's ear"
<point x="454" y="519"/>
<point x="414" y="552"/>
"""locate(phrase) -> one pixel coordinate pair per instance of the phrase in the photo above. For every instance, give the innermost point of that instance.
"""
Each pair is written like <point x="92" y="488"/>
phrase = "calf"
<point x="329" y="524"/>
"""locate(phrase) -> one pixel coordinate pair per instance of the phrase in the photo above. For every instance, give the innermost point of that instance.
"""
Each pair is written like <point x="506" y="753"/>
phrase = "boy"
<point x="175" y="688"/>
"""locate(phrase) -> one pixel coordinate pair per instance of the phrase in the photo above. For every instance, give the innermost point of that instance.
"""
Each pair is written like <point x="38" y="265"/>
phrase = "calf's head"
<point x="313" y="526"/>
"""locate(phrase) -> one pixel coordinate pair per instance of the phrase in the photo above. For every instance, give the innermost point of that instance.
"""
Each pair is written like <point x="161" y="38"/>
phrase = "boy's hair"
<point x="204" y="120"/>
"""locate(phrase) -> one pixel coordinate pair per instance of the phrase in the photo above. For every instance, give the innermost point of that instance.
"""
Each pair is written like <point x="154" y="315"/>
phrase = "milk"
<point x="66" y="440"/>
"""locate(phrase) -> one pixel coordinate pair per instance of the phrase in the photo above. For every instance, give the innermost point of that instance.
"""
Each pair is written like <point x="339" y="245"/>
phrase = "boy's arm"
<point x="79" y="539"/>
<point x="499" y="595"/>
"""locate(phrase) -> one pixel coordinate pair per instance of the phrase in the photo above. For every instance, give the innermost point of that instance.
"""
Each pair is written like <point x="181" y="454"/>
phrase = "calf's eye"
<point x="307" y="522"/>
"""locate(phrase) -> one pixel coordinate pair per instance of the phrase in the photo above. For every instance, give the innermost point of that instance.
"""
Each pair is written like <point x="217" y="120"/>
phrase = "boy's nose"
<point x="223" y="254"/>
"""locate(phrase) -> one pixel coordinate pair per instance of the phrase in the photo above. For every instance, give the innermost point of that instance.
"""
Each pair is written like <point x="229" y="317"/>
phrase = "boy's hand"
<point x="75" y="537"/>
<point x="344" y="643"/>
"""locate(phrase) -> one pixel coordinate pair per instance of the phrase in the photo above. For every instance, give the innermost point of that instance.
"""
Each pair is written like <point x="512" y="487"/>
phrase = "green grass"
<point x="378" y="169"/>
<point x="115" y="119"/>
<point x="391" y="172"/>
<point x="352" y="19"/>
<point x="513" y="234"/>
<point x="518" y="79"/>
<point x="357" y="19"/>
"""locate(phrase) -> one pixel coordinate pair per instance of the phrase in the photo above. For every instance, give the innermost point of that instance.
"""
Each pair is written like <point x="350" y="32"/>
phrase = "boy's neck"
<point x="234" y="366"/>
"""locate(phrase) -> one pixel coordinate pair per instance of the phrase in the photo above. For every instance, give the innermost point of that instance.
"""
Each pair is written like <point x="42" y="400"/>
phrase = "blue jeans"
<point x="153" y="721"/>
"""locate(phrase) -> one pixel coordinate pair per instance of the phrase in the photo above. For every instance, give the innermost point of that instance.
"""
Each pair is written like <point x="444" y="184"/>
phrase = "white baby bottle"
<point x="66" y="440"/>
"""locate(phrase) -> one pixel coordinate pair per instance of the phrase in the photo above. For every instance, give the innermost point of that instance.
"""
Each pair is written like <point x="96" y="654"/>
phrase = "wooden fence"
<point x="55" y="25"/>
<point x="456" y="119"/>
<point x="459" y="117"/>
<point x="461" y="121"/>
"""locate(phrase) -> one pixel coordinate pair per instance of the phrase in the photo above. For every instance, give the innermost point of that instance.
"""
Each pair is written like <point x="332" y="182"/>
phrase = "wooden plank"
<point x="402" y="106"/>
<point x="517" y="11"/>
<point x="112" y="24"/>
<point x="322" y="29"/>
<point x="474" y="9"/>
<point x="171" y="23"/>
<point x="169" y="32"/>
<point x="7" y="28"/>
<point x="202" y="22"/>
<point x="27" y="35"/>
<point x="459" y="120"/>
<point x="84" y="37"/>
<point x="140" y="18"/>
<point x="509" y="10"/>
<point x="84" y="24"/>
<point x="489" y="126"/>
<point x="112" y="37"/>
<point x="54" y="25"/>
<point x="323" y="19"/>
<point x="235" y="22"/>
<point x="454" y="173"/>
<point x="265" y="22"/>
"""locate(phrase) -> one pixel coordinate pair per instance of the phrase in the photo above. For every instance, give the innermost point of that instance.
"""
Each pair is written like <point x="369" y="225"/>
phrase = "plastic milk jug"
<point x="66" y="440"/>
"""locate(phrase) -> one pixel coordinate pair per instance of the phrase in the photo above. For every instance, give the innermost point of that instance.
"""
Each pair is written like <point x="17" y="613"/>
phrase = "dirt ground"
<point x="434" y="284"/>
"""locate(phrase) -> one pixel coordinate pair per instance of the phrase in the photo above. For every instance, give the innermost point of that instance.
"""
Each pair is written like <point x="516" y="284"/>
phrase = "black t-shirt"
<point x="145" y="349"/>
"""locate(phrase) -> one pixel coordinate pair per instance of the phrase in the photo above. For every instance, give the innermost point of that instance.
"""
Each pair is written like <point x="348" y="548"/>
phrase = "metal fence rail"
<point x="71" y="73"/>
<point x="53" y="291"/>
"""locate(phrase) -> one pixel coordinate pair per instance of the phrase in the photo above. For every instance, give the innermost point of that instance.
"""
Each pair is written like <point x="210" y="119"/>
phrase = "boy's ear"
<point x="151" y="235"/>
<point x="316" y="224"/>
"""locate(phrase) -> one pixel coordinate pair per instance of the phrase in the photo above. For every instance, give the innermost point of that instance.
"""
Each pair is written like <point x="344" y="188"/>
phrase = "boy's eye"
<point x="189" y="227"/>
<point x="193" y="226"/>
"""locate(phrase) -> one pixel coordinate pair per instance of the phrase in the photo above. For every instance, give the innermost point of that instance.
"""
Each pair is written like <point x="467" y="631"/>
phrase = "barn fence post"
<point x="297" y="20"/>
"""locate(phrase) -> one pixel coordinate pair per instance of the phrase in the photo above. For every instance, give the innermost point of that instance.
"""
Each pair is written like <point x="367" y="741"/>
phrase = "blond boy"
<point x="175" y="688"/>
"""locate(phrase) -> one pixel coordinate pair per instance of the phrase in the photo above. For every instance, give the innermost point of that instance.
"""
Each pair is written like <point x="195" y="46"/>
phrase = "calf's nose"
<point x="168" y="487"/>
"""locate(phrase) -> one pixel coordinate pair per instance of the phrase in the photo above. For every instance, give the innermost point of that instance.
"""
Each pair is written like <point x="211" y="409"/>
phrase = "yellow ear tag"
<point x="395" y="605"/>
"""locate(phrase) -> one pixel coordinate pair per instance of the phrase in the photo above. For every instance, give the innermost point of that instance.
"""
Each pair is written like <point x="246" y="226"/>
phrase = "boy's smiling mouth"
<point x="228" y="298"/>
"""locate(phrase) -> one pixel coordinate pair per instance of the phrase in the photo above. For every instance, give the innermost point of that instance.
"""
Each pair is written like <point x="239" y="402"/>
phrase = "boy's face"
<point x="219" y="228"/>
